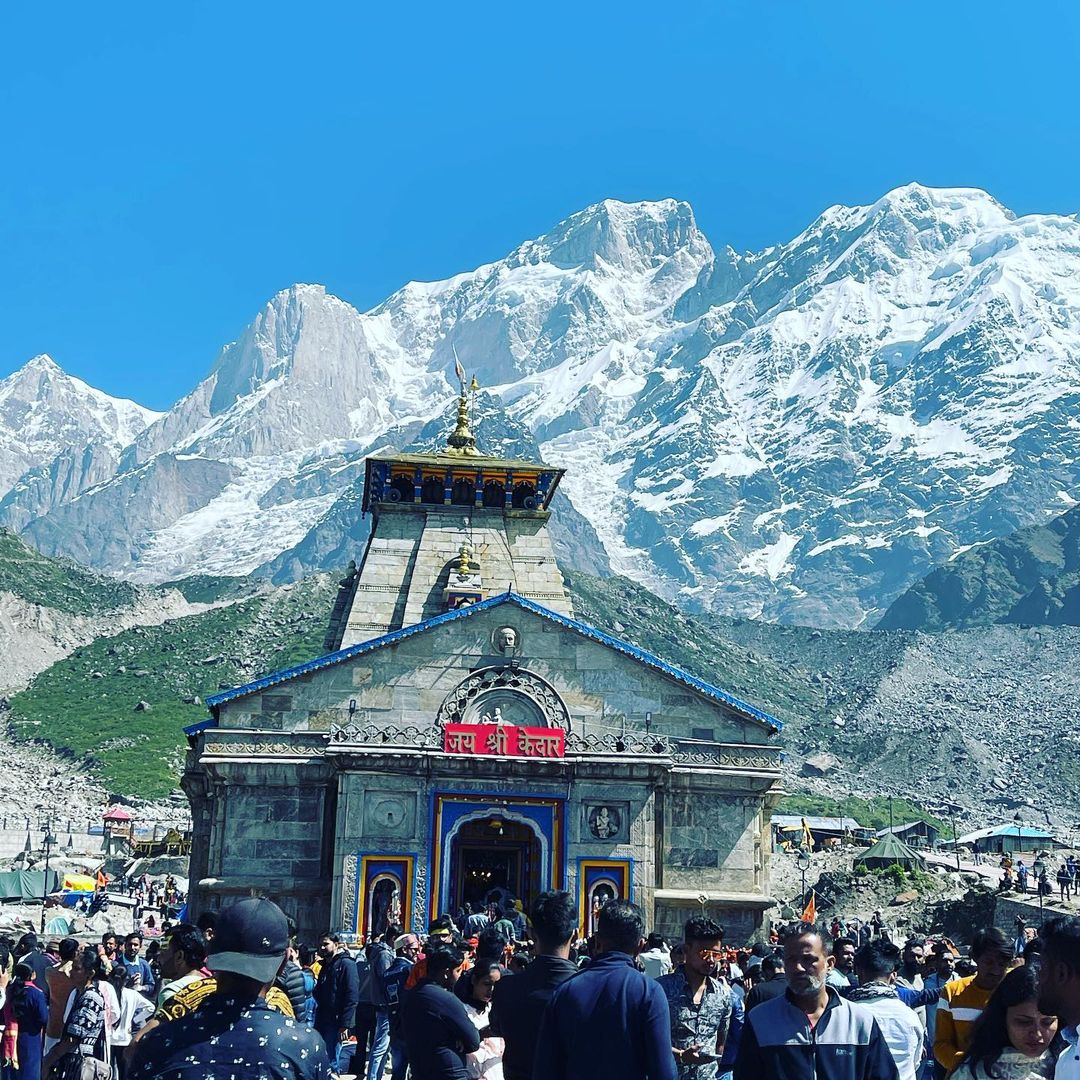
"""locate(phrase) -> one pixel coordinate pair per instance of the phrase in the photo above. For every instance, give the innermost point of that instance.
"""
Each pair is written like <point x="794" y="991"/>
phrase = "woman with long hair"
<point x="1011" y="1040"/>
<point x="486" y="1062"/>
<point x="84" y="1045"/>
<point x="23" y="1019"/>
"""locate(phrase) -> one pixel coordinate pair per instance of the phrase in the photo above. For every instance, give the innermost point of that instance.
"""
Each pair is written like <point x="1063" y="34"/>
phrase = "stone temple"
<point x="465" y="738"/>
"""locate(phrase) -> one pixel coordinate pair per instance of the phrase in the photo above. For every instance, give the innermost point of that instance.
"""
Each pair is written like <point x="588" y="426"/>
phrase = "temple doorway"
<point x="494" y="860"/>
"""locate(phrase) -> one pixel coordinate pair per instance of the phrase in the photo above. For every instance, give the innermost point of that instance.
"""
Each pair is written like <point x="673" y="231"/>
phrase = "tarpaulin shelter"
<point x="79" y="883"/>
<point x="890" y="850"/>
<point x="27" y="884"/>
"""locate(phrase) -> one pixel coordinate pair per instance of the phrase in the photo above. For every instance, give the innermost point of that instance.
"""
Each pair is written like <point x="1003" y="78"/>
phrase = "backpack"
<point x="309" y="998"/>
<point x="367" y="978"/>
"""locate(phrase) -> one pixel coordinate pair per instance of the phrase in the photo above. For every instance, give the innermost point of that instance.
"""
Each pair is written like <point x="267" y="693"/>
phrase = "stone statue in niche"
<point x="506" y="640"/>
<point x="604" y="822"/>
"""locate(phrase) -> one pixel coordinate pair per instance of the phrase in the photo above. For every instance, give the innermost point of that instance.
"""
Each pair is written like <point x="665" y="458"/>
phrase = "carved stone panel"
<point x="389" y="815"/>
<point x="605" y="822"/>
<point x="521" y="695"/>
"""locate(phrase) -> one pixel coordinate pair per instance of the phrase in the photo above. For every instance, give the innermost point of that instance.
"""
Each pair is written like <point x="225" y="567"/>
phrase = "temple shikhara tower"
<point x="465" y="738"/>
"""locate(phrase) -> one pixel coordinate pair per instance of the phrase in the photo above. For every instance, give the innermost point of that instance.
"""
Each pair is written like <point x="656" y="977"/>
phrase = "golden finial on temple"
<point x="464" y="564"/>
<point x="461" y="441"/>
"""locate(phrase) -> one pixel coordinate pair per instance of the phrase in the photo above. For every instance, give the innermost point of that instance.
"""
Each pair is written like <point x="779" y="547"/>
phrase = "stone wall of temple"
<point x="404" y="684"/>
<point x="407" y="562"/>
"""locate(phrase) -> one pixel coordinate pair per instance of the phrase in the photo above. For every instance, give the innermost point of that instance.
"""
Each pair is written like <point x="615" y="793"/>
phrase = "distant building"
<point x="1000" y="839"/>
<point x="118" y="830"/>
<point x="791" y="827"/>
<point x="916" y="834"/>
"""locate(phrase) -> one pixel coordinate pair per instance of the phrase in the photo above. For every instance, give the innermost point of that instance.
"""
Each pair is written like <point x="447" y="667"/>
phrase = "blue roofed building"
<point x="466" y="741"/>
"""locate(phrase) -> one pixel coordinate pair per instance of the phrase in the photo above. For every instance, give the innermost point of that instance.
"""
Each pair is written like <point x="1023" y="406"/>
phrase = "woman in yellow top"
<point x="962" y="1001"/>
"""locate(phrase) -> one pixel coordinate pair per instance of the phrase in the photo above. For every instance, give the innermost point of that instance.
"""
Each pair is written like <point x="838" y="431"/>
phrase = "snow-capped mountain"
<point x="59" y="434"/>
<point x="797" y="434"/>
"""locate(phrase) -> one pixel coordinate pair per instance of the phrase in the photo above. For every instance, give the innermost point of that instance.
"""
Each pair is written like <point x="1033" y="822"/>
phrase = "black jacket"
<point x="518" y="1008"/>
<point x="337" y="993"/>
<point x="291" y="980"/>
<point x="845" y="1044"/>
<point x="380" y="956"/>
<point x="766" y="990"/>
<point x="438" y="1033"/>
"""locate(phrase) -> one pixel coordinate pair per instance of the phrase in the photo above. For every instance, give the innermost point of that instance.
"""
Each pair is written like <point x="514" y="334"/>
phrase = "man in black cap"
<point x="234" y="1033"/>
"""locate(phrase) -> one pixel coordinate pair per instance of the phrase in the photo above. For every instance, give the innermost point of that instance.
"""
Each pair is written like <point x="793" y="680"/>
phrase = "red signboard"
<point x="504" y="740"/>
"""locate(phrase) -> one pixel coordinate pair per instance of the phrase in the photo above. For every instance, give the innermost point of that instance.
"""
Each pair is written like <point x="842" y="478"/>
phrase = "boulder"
<point x="821" y="764"/>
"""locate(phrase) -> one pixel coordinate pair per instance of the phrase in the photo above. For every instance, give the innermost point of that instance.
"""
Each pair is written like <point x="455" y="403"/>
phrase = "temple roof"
<point x="624" y="647"/>
<point x="479" y="461"/>
<point x="383" y="465"/>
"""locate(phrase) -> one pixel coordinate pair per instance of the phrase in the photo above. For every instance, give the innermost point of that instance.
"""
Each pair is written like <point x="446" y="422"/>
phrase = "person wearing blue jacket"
<point x="610" y="1021"/>
<point x="811" y="1032"/>
<point x="735" y="1029"/>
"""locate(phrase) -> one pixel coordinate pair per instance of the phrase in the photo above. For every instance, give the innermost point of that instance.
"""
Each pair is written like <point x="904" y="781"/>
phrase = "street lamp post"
<point x="956" y="846"/>
<point x="49" y="841"/>
<point x="803" y="861"/>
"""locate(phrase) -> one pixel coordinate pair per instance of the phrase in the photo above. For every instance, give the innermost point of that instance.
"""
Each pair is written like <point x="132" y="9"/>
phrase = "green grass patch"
<point x="210" y="589"/>
<point x="85" y="705"/>
<point x="873" y="813"/>
<point x="58" y="583"/>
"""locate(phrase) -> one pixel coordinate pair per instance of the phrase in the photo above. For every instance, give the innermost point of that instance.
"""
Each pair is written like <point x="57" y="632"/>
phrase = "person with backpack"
<point x="380" y="958"/>
<point x="306" y="955"/>
<point x="291" y="982"/>
<point x="24" y="1016"/>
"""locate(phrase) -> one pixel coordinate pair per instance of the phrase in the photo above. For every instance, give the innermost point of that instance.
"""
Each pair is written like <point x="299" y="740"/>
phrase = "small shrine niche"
<point x="464" y="585"/>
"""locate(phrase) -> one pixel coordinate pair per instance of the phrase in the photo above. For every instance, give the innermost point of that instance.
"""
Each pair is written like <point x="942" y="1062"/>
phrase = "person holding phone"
<point x="699" y="1001"/>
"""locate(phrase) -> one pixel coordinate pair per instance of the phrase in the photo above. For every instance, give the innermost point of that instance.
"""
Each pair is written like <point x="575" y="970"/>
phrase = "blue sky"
<point x="168" y="168"/>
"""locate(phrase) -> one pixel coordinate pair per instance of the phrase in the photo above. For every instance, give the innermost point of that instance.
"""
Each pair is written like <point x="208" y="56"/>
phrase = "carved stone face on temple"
<point x="506" y="639"/>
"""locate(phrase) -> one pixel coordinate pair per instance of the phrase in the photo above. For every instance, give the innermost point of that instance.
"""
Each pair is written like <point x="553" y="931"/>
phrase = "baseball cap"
<point x="250" y="939"/>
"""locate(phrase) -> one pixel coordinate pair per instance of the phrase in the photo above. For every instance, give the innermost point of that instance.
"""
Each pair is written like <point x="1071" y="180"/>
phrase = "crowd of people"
<point x="236" y="996"/>
<point x="1035" y="878"/>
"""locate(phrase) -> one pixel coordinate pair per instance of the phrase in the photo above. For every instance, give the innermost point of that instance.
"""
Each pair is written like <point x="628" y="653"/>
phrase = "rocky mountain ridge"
<point x="49" y="608"/>
<point x="798" y="434"/>
<point x="1031" y="576"/>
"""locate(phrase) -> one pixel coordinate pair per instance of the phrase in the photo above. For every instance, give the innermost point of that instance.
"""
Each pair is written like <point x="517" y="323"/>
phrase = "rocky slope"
<point x="980" y="724"/>
<point x="50" y="607"/>
<point x="1030" y="576"/>
<point x="798" y="434"/>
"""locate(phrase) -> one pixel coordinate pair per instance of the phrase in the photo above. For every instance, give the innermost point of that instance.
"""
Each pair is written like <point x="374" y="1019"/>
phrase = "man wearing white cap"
<point x="234" y="1033"/>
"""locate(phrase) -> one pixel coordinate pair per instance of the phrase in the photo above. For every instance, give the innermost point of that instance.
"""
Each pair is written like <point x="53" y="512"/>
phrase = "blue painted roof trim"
<point x="624" y="647"/>
<point x="202" y="725"/>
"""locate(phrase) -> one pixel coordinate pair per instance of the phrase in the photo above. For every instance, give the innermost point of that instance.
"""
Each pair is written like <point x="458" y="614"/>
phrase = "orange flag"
<point x="102" y="880"/>
<point x="809" y="914"/>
